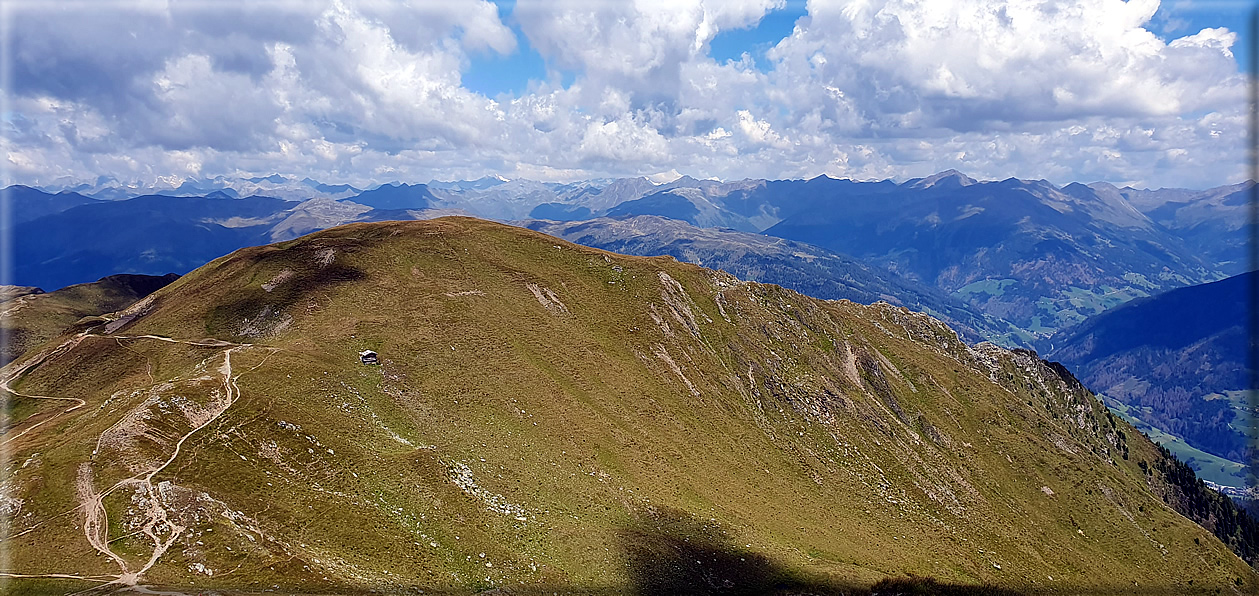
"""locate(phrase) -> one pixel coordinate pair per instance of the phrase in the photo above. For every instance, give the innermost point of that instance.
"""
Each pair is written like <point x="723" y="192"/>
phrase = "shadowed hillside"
<point x="30" y="320"/>
<point x="1179" y="363"/>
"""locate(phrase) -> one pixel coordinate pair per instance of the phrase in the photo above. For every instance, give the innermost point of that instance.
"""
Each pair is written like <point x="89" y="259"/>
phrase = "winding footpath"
<point x="31" y="364"/>
<point x="159" y="526"/>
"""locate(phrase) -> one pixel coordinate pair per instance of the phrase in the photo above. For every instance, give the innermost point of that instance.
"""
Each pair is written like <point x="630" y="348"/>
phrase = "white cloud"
<point x="640" y="47"/>
<point x="1015" y="61"/>
<point x="384" y="88"/>
<point x="759" y="131"/>
<point x="414" y="23"/>
<point x="373" y="90"/>
<point x="192" y="105"/>
<point x="623" y="140"/>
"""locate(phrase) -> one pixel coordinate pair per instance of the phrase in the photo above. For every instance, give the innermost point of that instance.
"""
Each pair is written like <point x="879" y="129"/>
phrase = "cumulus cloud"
<point x="640" y="46"/>
<point x="372" y="90"/>
<point x="964" y="64"/>
<point x="760" y="132"/>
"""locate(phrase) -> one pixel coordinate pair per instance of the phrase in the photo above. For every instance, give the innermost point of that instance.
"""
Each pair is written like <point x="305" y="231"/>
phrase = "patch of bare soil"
<point x="547" y="298"/>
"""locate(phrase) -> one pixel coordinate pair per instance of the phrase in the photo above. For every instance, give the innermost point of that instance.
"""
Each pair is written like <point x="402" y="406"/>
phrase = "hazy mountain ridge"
<point x="548" y="413"/>
<point x="150" y="235"/>
<point x="26" y="203"/>
<point x="1212" y="222"/>
<point x="1026" y="252"/>
<point x="276" y="185"/>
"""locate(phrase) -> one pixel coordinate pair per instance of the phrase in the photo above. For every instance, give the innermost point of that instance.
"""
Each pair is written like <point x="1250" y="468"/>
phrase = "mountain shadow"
<point x="671" y="552"/>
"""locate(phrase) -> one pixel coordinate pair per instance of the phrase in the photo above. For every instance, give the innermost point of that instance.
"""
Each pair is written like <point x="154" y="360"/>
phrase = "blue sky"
<point x="1177" y="18"/>
<point x="756" y="40"/>
<point x="493" y="74"/>
<point x="1140" y="92"/>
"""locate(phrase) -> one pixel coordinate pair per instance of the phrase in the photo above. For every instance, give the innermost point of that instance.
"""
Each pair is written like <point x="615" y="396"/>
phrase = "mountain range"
<point x="1212" y="222"/>
<point x="543" y="416"/>
<point x="274" y="185"/>
<point x="1038" y="256"/>
<point x="1018" y="262"/>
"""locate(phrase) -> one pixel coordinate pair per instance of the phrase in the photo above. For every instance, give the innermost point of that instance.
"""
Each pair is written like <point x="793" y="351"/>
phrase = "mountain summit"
<point x="945" y="179"/>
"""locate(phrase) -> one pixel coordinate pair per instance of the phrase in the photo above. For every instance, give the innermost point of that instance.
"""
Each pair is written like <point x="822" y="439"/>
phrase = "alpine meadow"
<point x="529" y="297"/>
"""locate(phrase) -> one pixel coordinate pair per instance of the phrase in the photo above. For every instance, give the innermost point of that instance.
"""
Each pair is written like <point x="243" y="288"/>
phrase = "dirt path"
<point x="159" y="526"/>
<point x="159" y="522"/>
<point x="90" y="578"/>
<point x="66" y="346"/>
<point x="205" y="343"/>
<point x="17" y="373"/>
<point x="95" y="520"/>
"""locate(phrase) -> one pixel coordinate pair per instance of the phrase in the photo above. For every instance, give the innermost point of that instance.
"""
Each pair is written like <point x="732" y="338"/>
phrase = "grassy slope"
<point x="823" y="442"/>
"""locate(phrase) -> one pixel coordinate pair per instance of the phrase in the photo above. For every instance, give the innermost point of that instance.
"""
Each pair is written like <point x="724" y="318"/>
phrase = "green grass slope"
<point x="550" y="417"/>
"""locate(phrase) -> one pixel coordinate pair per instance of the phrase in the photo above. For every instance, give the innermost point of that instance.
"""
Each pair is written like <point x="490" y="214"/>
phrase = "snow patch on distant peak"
<point x="664" y="177"/>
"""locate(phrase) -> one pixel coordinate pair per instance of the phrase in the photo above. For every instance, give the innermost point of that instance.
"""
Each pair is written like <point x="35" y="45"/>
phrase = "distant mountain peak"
<point x="948" y="177"/>
<point x="481" y="183"/>
<point x="273" y="178"/>
<point x="1097" y="186"/>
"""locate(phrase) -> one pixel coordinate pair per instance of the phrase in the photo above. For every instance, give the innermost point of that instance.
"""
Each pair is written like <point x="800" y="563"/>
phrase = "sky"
<point x="1137" y="93"/>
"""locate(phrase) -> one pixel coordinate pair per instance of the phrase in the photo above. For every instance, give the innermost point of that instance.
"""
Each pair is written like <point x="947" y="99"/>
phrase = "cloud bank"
<point x="373" y="91"/>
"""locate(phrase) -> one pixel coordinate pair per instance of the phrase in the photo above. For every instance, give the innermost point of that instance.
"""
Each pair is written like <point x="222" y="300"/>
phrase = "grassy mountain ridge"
<point x="1032" y="257"/>
<point x="547" y="414"/>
